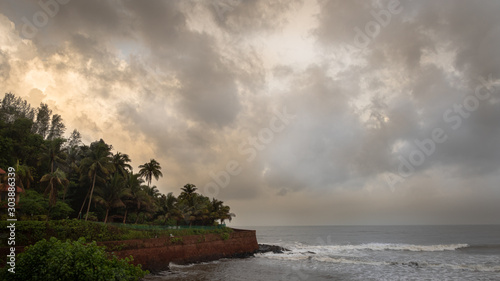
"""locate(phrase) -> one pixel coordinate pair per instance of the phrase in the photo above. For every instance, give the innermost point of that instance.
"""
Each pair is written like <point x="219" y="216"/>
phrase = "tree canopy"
<point x="61" y="176"/>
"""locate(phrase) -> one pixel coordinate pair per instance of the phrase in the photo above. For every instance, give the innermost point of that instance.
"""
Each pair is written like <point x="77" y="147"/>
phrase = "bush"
<point x="225" y="236"/>
<point x="77" y="260"/>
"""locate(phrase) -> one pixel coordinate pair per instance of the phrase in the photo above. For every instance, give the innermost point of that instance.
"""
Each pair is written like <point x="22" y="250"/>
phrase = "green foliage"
<point x="176" y="240"/>
<point x="225" y="236"/>
<point x="77" y="260"/>
<point x="30" y="232"/>
<point x="33" y="203"/>
<point x="60" y="210"/>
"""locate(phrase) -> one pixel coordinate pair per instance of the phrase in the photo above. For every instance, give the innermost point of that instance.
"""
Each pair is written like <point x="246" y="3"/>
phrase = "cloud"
<point x="191" y="83"/>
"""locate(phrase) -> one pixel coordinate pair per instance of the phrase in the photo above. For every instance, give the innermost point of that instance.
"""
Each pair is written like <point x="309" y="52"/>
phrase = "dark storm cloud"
<point x="250" y="16"/>
<point x="468" y="30"/>
<point x="208" y="92"/>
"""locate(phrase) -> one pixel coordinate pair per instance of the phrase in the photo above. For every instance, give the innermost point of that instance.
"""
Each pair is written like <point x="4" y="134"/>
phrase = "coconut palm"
<point x="150" y="170"/>
<point x="113" y="194"/>
<point x="54" y="153"/>
<point x="96" y="164"/>
<point x="54" y="181"/>
<point x="168" y="207"/>
<point x="225" y="214"/>
<point x="138" y="200"/>
<point x="137" y="196"/>
<point x="120" y="162"/>
<point x="188" y="192"/>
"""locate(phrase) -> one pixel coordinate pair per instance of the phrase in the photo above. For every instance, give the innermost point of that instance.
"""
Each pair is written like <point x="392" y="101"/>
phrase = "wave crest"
<point x="382" y="247"/>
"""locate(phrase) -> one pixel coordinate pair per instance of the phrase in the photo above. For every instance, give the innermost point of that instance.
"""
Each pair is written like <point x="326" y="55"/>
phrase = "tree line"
<point x="63" y="178"/>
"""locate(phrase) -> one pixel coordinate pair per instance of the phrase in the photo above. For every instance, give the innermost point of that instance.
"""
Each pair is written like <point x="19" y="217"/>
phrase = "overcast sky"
<point x="292" y="112"/>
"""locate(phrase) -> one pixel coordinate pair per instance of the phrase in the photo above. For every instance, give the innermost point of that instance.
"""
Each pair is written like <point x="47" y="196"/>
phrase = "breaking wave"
<point x="380" y="247"/>
<point x="360" y="255"/>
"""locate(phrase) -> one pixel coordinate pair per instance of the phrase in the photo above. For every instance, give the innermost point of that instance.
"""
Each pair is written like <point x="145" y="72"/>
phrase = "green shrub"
<point x="176" y="240"/>
<point x="77" y="260"/>
<point x="225" y="236"/>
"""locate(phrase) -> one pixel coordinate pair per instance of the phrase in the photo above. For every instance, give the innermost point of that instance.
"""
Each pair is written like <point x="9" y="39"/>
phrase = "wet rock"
<point x="412" y="264"/>
<point x="264" y="248"/>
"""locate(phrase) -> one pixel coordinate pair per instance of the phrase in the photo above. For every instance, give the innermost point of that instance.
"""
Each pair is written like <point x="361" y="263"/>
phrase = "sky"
<point x="291" y="112"/>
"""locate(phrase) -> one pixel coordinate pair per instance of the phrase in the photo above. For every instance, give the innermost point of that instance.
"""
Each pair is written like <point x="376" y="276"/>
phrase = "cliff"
<point x="156" y="254"/>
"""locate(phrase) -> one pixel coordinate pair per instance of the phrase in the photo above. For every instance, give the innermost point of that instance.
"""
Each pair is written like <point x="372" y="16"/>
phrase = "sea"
<point x="465" y="252"/>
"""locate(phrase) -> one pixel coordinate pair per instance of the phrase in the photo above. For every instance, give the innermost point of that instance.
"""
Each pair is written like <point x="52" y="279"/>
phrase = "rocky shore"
<point x="264" y="248"/>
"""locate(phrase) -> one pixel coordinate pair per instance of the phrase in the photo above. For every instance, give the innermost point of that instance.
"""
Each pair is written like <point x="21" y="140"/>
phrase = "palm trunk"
<point x="83" y="204"/>
<point x="64" y="194"/>
<point x="106" y="218"/>
<point x="90" y="199"/>
<point x="125" y="217"/>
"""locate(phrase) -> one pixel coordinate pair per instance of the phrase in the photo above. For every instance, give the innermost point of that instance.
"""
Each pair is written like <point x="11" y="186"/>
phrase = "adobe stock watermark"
<point x="11" y="210"/>
<point x="381" y="18"/>
<point x="454" y="117"/>
<point x="49" y="9"/>
<point x="248" y="148"/>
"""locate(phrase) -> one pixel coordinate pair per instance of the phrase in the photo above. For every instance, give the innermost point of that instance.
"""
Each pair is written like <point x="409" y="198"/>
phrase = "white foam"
<point x="471" y="267"/>
<point x="379" y="247"/>
<point x="174" y="265"/>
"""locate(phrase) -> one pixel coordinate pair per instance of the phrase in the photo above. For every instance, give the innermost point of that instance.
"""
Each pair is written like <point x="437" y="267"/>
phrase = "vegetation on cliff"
<point x="30" y="232"/>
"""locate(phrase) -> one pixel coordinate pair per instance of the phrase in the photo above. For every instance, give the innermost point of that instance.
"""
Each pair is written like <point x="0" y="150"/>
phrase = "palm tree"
<point x="23" y="175"/>
<point x="97" y="163"/>
<point x="168" y="207"/>
<point x="226" y="214"/>
<point x="54" y="152"/>
<point x="152" y="191"/>
<point x="138" y="198"/>
<point x="188" y="192"/>
<point x="150" y="170"/>
<point x="120" y="162"/>
<point x="54" y="181"/>
<point x="113" y="194"/>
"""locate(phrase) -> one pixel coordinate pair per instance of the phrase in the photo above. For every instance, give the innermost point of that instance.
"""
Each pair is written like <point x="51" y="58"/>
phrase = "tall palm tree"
<point x="54" y="152"/>
<point x="97" y="163"/>
<point x="54" y="181"/>
<point x="134" y="200"/>
<point x="113" y="194"/>
<point x="120" y="162"/>
<point x="188" y="193"/>
<point x="138" y="199"/>
<point x="150" y="170"/>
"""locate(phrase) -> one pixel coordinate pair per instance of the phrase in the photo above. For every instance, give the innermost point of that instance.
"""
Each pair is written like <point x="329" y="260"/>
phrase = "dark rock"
<point x="412" y="264"/>
<point x="264" y="248"/>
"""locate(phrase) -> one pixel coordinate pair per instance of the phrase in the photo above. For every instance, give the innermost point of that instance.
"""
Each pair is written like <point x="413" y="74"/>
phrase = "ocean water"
<point x="360" y="253"/>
